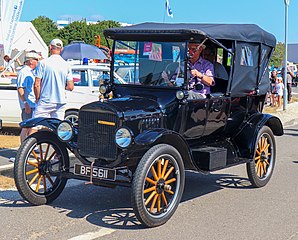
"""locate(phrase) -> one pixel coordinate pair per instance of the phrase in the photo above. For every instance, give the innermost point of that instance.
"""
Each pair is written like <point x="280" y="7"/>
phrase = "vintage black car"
<point x="145" y="134"/>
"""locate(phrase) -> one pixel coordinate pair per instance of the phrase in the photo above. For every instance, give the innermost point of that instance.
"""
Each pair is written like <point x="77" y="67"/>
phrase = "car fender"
<point x="245" y="139"/>
<point x="50" y="123"/>
<point x="160" y="135"/>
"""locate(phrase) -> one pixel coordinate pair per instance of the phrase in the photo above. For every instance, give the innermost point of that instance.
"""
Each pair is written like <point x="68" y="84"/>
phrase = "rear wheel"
<point x="38" y="168"/>
<point x="158" y="185"/>
<point x="261" y="168"/>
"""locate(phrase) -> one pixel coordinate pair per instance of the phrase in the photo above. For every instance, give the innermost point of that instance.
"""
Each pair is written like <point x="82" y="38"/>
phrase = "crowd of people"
<point x="276" y="92"/>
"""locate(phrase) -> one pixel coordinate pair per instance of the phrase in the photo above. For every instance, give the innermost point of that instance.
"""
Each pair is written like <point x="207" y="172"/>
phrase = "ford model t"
<point x="146" y="133"/>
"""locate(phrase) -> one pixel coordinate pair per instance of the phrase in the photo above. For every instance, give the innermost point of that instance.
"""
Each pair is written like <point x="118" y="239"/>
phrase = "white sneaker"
<point x="12" y="159"/>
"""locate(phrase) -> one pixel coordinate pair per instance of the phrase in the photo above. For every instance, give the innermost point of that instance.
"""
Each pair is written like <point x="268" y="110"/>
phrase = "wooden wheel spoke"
<point x="153" y="203"/>
<point x="154" y="173"/>
<point x="170" y="181"/>
<point x="266" y="148"/>
<point x="164" y="198"/>
<point x="47" y="151"/>
<point x="44" y="183"/>
<point x="168" y="173"/>
<point x="150" y="181"/>
<point x="266" y="161"/>
<point x="164" y="168"/>
<point x="258" y="168"/>
<point x="40" y="152"/>
<point x="159" y="168"/>
<point x="38" y="184"/>
<point x="150" y="197"/>
<point x="264" y="167"/>
<point x="50" y="180"/>
<point x="257" y="158"/>
<point x="258" y="152"/>
<point x="50" y="157"/>
<point x="33" y="179"/>
<point x="35" y="155"/>
<point x="149" y="189"/>
<point x="32" y="171"/>
<point x="32" y="163"/>
<point x="158" y="203"/>
<point x="170" y="192"/>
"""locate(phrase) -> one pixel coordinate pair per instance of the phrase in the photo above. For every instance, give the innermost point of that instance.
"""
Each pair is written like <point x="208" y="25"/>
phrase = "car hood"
<point x="135" y="107"/>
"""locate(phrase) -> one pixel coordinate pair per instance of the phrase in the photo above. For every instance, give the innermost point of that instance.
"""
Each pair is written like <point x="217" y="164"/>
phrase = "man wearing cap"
<point x="52" y="77"/>
<point x="25" y="81"/>
<point x="201" y="70"/>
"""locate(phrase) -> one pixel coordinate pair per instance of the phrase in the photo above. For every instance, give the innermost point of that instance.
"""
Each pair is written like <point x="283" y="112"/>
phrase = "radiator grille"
<point x="97" y="139"/>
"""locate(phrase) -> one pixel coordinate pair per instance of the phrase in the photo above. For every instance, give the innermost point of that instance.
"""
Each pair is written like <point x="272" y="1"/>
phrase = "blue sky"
<point x="268" y="14"/>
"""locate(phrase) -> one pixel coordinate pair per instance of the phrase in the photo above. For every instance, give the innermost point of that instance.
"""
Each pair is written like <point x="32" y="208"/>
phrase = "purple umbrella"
<point x="82" y="50"/>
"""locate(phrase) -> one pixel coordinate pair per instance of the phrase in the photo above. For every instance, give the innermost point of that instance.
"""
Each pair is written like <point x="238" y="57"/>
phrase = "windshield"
<point x="150" y="63"/>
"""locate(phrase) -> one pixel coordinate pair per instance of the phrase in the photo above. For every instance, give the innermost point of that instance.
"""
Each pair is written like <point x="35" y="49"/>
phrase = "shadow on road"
<point x="111" y="208"/>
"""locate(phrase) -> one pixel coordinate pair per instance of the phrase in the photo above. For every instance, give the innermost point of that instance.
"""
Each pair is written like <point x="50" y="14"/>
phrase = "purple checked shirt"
<point x="206" y="67"/>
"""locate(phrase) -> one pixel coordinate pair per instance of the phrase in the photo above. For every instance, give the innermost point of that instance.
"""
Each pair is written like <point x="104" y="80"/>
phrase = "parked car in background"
<point x="86" y="80"/>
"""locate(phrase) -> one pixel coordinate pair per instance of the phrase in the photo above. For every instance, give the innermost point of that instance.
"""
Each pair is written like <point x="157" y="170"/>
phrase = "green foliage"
<point x="46" y="28"/>
<point x="75" y="31"/>
<point x="278" y="55"/>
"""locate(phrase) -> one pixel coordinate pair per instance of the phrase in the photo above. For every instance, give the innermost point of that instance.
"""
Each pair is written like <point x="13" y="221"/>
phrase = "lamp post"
<point x="285" y="93"/>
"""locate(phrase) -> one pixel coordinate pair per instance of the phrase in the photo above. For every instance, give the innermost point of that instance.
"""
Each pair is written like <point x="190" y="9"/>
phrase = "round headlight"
<point x="180" y="95"/>
<point x="64" y="131"/>
<point x="123" y="137"/>
<point x="103" y="89"/>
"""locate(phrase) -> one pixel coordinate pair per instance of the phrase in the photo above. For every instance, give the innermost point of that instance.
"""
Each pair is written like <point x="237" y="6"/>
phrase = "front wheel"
<point x="261" y="168"/>
<point x="158" y="185"/>
<point x="39" y="165"/>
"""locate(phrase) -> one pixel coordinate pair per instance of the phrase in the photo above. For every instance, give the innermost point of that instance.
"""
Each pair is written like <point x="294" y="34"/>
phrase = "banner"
<point x="10" y="13"/>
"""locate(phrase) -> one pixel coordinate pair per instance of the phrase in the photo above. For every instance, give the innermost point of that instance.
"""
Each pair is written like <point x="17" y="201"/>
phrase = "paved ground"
<point x="288" y="117"/>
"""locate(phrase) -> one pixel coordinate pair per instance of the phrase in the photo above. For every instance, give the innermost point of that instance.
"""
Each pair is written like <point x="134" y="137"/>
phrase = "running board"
<point x="210" y="158"/>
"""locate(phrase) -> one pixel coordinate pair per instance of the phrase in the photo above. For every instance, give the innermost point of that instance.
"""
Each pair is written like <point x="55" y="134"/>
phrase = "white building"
<point x="27" y="38"/>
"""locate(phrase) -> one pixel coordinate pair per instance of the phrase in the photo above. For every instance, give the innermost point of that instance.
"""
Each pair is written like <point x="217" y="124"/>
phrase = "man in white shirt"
<point x="52" y="77"/>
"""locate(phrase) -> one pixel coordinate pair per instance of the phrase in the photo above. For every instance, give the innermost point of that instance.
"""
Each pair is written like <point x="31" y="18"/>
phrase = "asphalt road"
<point x="222" y="205"/>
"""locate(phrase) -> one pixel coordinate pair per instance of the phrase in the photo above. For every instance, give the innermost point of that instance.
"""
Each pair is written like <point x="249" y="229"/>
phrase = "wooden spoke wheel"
<point x="261" y="168"/>
<point x="38" y="169"/>
<point x="158" y="185"/>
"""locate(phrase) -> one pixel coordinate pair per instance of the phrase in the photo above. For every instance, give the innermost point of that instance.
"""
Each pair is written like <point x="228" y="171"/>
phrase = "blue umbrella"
<point x="82" y="50"/>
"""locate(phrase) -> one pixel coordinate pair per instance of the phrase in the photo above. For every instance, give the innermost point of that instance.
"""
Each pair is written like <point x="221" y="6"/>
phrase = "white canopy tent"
<point x="27" y="38"/>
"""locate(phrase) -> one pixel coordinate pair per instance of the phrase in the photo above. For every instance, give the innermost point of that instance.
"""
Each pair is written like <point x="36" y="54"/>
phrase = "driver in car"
<point x="201" y="71"/>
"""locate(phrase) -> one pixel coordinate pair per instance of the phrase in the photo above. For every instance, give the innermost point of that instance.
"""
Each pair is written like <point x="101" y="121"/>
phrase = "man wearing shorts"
<point x="25" y="81"/>
<point x="52" y="77"/>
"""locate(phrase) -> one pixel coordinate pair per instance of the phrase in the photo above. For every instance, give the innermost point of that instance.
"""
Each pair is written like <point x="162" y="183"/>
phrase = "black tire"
<point x="163" y="191"/>
<point x="32" y="169"/>
<point x="72" y="116"/>
<point x="261" y="168"/>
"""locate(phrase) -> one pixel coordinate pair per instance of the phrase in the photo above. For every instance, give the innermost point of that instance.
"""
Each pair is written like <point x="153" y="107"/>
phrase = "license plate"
<point x="97" y="173"/>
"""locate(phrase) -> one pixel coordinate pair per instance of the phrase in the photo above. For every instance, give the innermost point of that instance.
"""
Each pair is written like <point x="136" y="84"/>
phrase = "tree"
<point x="76" y="31"/>
<point x="46" y="28"/>
<point x="278" y="55"/>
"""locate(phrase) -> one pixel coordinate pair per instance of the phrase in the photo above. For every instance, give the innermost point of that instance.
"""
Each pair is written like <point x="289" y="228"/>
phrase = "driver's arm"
<point x="205" y="79"/>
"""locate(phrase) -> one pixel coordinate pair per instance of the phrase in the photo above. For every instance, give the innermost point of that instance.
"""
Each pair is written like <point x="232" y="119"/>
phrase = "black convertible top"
<point x="192" y="31"/>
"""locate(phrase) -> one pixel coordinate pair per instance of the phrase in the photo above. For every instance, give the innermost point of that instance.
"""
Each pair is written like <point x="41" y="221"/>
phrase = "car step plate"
<point x="97" y="173"/>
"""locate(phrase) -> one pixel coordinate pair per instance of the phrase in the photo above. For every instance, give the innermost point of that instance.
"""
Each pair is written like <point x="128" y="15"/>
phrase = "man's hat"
<point x="56" y="43"/>
<point x="31" y="55"/>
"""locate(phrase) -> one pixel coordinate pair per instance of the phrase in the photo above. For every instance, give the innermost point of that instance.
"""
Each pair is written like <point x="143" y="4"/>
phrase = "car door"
<point x="83" y="90"/>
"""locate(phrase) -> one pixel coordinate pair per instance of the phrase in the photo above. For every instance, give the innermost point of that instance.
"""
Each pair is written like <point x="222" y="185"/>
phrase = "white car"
<point x="86" y="80"/>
